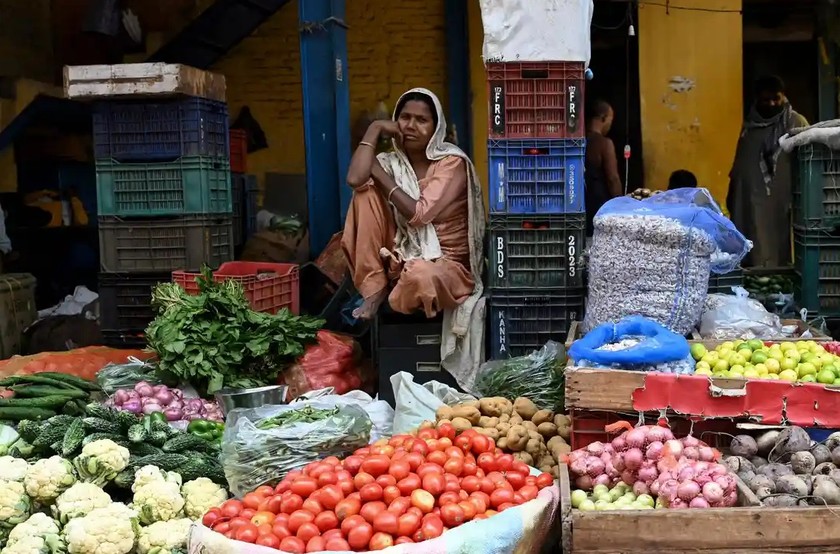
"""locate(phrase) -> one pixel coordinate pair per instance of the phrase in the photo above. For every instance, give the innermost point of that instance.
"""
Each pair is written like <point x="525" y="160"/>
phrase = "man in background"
<point x="759" y="197"/>
<point x="601" y="167"/>
<point x="682" y="179"/>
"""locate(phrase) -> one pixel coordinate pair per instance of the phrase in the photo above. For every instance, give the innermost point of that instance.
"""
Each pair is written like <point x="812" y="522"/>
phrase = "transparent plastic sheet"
<point x="695" y="209"/>
<point x="538" y="376"/>
<point x="252" y="456"/>
<point x="738" y="317"/>
<point x="649" y="347"/>
<point x="415" y="403"/>
<point x="113" y="377"/>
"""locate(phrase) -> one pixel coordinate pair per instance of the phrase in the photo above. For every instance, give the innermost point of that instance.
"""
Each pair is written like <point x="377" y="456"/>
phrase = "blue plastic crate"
<point x="536" y="176"/>
<point x="138" y="131"/>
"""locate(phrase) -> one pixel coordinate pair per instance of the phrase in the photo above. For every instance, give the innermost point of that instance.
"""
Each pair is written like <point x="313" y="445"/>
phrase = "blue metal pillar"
<point x="458" y="71"/>
<point x="326" y="117"/>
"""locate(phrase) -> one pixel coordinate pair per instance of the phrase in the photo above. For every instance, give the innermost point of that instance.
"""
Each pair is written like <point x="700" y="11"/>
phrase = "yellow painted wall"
<point x="391" y="47"/>
<point x="691" y="90"/>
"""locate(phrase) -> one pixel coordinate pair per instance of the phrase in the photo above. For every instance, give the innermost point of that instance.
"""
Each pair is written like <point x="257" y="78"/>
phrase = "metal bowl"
<point x="229" y="399"/>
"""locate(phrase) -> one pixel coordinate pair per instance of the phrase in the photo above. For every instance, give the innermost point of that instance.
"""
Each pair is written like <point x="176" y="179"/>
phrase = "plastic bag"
<point x="113" y="377"/>
<point x="252" y="456"/>
<point x="331" y="362"/>
<point x="538" y="376"/>
<point x="82" y="362"/>
<point x="380" y="412"/>
<point x="415" y="403"/>
<point x="738" y="317"/>
<point x="647" y="346"/>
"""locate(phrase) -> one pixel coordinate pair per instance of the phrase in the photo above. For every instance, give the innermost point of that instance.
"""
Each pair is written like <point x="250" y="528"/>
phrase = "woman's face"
<point x="417" y="125"/>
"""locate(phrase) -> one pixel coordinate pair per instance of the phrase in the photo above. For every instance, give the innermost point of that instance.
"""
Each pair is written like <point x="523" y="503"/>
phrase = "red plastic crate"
<point x="238" y="151"/>
<point x="588" y="427"/>
<point x="268" y="287"/>
<point x="535" y="100"/>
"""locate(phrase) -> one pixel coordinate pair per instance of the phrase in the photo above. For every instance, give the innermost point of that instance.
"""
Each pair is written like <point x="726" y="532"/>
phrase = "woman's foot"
<point x="370" y="305"/>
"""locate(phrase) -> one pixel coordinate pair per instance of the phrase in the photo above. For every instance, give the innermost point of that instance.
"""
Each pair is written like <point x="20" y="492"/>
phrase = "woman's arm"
<point x="361" y="164"/>
<point x="386" y="185"/>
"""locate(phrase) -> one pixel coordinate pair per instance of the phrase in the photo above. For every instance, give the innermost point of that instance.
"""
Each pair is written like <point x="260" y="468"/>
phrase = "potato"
<point x="542" y="416"/>
<point x="555" y="472"/>
<point x="532" y="447"/>
<point x="488" y="422"/>
<point x="495" y="406"/>
<point x="524" y="457"/>
<point x="546" y="460"/>
<point x="554" y="442"/>
<point x="516" y="419"/>
<point x="560" y="451"/>
<point x="530" y="426"/>
<point x="502" y="443"/>
<point x="460" y="424"/>
<point x="427" y="425"/>
<point x="524" y="407"/>
<point x="470" y="413"/>
<point x="564" y="425"/>
<point x="517" y="438"/>
<point x="504" y="418"/>
<point x="547" y="430"/>
<point x="442" y="422"/>
<point x="444" y="412"/>
<point x="488" y="432"/>
<point x="533" y="435"/>
<point x="503" y="428"/>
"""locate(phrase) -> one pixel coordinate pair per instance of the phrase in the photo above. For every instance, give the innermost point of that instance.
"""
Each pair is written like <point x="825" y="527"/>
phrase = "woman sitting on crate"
<point x="414" y="231"/>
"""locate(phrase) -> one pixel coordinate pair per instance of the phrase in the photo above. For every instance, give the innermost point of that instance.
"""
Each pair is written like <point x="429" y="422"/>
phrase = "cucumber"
<point x="34" y="380"/>
<point x="97" y="425"/>
<point x="184" y="443"/>
<point x="166" y="462"/>
<point x="137" y="433"/>
<point x="42" y="402"/>
<point x="72" y="380"/>
<point x="18" y="413"/>
<point x="73" y="437"/>
<point x="140" y="449"/>
<point x="36" y="391"/>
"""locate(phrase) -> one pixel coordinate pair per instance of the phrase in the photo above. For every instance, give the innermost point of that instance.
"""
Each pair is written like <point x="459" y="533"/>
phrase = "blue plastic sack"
<point x="659" y="345"/>
<point x="694" y="209"/>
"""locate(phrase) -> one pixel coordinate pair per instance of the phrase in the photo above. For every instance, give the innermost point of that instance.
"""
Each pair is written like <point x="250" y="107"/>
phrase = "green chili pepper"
<point x="201" y="426"/>
<point x="157" y="416"/>
<point x="206" y="435"/>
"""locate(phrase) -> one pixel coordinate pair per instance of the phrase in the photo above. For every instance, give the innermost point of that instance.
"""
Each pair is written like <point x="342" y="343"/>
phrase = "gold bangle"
<point x="366" y="143"/>
<point x="391" y="193"/>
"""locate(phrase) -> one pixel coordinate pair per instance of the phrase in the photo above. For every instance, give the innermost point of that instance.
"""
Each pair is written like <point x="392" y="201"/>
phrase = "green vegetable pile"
<point x="307" y="414"/>
<point x="214" y="339"/>
<point x="44" y="395"/>
<point x="150" y="441"/>
<point x="762" y="285"/>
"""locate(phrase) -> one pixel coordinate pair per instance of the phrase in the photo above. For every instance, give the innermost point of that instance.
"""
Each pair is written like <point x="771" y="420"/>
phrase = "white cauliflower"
<point x="151" y="474"/>
<point x="38" y="525"/>
<point x="200" y="495"/>
<point x="51" y="544"/>
<point x="78" y="501"/>
<point x="110" y="530"/>
<point x="13" y="469"/>
<point x="48" y="478"/>
<point x="164" y="537"/>
<point x="101" y="461"/>
<point x="159" y="501"/>
<point x="15" y="506"/>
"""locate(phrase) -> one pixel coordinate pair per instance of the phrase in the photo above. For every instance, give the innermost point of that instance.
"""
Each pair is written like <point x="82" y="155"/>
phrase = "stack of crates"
<point x="816" y="229"/>
<point x="537" y="217"/>
<point x="164" y="200"/>
<point x="244" y="189"/>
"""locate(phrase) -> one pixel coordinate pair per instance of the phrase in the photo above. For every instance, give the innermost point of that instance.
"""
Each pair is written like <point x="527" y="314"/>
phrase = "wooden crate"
<point x="96" y="82"/>
<point x="749" y="528"/>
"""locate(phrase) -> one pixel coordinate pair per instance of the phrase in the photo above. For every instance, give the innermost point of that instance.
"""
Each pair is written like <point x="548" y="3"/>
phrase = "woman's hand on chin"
<point x="389" y="127"/>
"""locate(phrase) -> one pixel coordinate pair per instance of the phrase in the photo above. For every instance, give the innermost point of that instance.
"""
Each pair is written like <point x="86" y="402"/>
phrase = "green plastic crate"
<point x="816" y="188"/>
<point x="817" y="262"/>
<point x="187" y="186"/>
<point x="722" y="284"/>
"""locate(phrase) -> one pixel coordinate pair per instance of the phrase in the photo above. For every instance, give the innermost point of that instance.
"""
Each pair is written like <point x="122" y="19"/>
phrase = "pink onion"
<point x="726" y="482"/>
<point x="602" y="479"/>
<point x="673" y="448"/>
<point x="657" y="434"/>
<point x="618" y="463"/>
<point x="691" y="441"/>
<point x="172" y="414"/>
<point x="120" y="396"/>
<point x="144" y="389"/>
<point x="640" y="487"/>
<point x="595" y="448"/>
<point x="713" y="492"/>
<point x="151" y="407"/>
<point x="677" y="504"/>
<point x="628" y="477"/>
<point x="718" y="469"/>
<point x="707" y="453"/>
<point x="605" y="457"/>
<point x="688" y="490"/>
<point x="654" y="488"/>
<point x="577" y="466"/>
<point x="668" y="488"/>
<point x="195" y="403"/>
<point x="619" y="444"/>
<point x="691" y="452"/>
<point x="698" y="502"/>
<point x="164" y="397"/>
<point x="647" y="473"/>
<point x="731" y="499"/>
<point x="177" y="404"/>
<point x="157" y="388"/>
<point x="132" y="406"/>
<point x="654" y="451"/>
<point x="584" y="482"/>
<point x="703" y="478"/>
<point x="133" y="395"/>
<point x="573" y="455"/>
<point x="594" y="466"/>
<point x="687" y="473"/>
<point x="636" y="438"/>
<point x="633" y="459"/>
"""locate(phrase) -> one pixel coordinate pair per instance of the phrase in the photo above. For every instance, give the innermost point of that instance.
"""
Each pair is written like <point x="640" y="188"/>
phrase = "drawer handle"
<point x="426" y="340"/>
<point x="427" y="367"/>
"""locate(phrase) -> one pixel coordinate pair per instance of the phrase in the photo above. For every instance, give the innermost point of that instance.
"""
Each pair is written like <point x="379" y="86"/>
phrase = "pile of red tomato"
<point x="405" y="489"/>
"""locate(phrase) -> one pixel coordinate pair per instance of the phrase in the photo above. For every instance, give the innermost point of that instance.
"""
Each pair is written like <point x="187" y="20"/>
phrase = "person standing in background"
<point x="601" y="167"/>
<point x="759" y="196"/>
<point x="682" y="179"/>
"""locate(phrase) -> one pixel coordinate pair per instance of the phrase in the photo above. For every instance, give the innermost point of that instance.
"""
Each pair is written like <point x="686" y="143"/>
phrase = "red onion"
<point x="654" y="488"/>
<point x="133" y="406"/>
<point x="658" y="434"/>
<point x="688" y="490"/>
<point x="172" y="414"/>
<point x="640" y="488"/>
<point x="195" y="404"/>
<point x="712" y="492"/>
<point x="691" y="441"/>
<point x="151" y="407"/>
<point x="164" y="397"/>
<point x="633" y="459"/>
<point x="647" y="473"/>
<point x="731" y="499"/>
<point x="654" y="451"/>
<point x="673" y="448"/>
<point x="602" y="479"/>
<point x="687" y="473"/>
<point x="619" y="444"/>
<point x="595" y="448"/>
<point x="628" y="477"/>
<point x="144" y="389"/>
<point x="618" y="463"/>
<point x="120" y="396"/>
<point x="677" y="504"/>
<point x="726" y="482"/>
<point x="133" y="395"/>
<point x="707" y="453"/>
<point x="584" y="482"/>
<point x="668" y="488"/>
<point x="594" y="466"/>
<point x="605" y="457"/>
<point x="635" y="438"/>
<point x="177" y="404"/>
<point x="691" y="452"/>
<point x="698" y="502"/>
<point x="578" y="466"/>
<point x="195" y="416"/>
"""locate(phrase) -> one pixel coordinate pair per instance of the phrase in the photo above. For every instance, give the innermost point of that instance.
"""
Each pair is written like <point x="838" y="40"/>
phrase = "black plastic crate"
<point x="125" y="300"/>
<point x="722" y="284"/>
<point x="816" y="254"/>
<point x="124" y="338"/>
<point x="137" y="131"/>
<point x="237" y="188"/>
<point x="536" y="251"/>
<point x="816" y="188"/>
<point x="164" y="244"/>
<point x="249" y="213"/>
<point x="521" y="321"/>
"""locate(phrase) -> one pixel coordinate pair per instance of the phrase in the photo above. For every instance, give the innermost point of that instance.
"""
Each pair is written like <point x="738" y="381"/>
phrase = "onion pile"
<point x="146" y="399"/>
<point x="652" y="461"/>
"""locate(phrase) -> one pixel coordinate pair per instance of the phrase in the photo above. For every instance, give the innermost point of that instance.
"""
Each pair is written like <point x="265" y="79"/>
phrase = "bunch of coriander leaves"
<point x="214" y="339"/>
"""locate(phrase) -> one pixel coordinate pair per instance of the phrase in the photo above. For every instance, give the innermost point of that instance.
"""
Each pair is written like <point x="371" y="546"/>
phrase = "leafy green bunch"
<point x="215" y="339"/>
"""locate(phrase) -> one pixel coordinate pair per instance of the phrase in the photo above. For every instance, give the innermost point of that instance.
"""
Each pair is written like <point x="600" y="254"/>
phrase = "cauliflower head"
<point x="13" y="469"/>
<point x="38" y="525"/>
<point x="153" y="474"/>
<point x="110" y="530"/>
<point x="46" y="479"/>
<point x="200" y="495"/>
<point x="15" y="505"/>
<point x="159" y="501"/>
<point x="164" y="537"/>
<point x="100" y="461"/>
<point x="78" y="501"/>
<point x="33" y="544"/>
